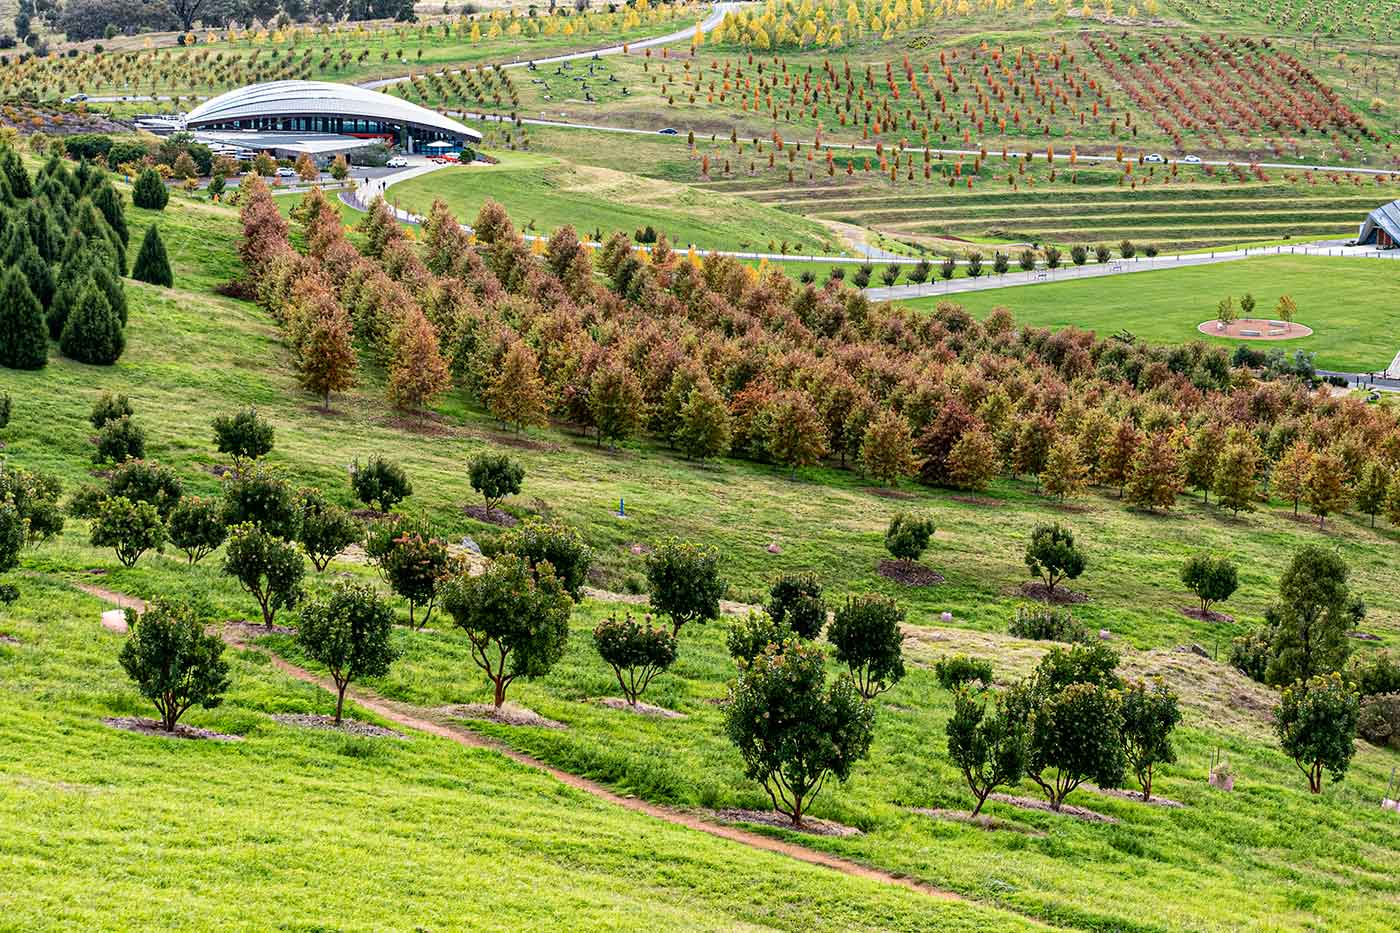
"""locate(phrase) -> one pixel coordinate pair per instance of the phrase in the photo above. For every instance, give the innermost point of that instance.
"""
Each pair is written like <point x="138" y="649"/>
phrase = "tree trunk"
<point x="340" y="700"/>
<point x="500" y="691"/>
<point x="1147" y="785"/>
<point x="797" y="811"/>
<point x="981" y="799"/>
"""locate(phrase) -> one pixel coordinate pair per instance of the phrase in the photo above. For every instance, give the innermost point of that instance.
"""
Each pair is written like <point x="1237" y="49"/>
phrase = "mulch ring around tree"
<point x="150" y="727"/>
<point x="491" y="516"/>
<point x="507" y="715"/>
<point x="909" y="574"/>
<point x="1059" y="596"/>
<point x="782" y="821"/>
<point x="977" y="500"/>
<point x="885" y="492"/>
<point x="347" y="726"/>
<point x="981" y="821"/>
<point x="518" y="440"/>
<point x="1192" y="612"/>
<point x="1134" y="796"/>
<point x="1066" y="809"/>
<point x="369" y="515"/>
<point x="641" y="709"/>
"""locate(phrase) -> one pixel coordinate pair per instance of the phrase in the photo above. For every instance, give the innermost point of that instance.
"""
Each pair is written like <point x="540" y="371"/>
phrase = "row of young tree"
<point x="715" y="360"/>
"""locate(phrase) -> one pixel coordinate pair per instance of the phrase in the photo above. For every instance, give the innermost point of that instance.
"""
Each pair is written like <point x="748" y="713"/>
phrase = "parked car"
<point x="75" y="98"/>
<point x="1153" y="157"/>
<point x="1193" y="160"/>
<point x="285" y="172"/>
<point x="669" y="131"/>
<point x="397" y="162"/>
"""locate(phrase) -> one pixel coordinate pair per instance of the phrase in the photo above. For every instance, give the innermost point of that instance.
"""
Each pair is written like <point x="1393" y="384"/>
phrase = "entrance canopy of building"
<point x="286" y="145"/>
<point x="1382" y="227"/>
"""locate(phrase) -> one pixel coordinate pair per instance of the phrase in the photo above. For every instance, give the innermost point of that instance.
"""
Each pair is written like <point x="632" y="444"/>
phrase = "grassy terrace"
<point x="1351" y="304"/>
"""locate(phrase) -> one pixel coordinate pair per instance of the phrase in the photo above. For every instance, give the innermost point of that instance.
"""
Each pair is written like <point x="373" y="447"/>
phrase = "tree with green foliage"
<point x="792" y="729"/>
<point x="348" y="632"/>
<point x="92" y="333"/>
<point x="684" y="582"/>
<point x="244" y="435"/>
<point x="263" y="498"/>
<point x="24" y="338"/>
<point x="267" y="567"/>
<point x="323" y="528"/>
<point x="1053" y="556"/>
<point x="887" y="449"/>
<point x="989" y="750"/>
<point x="516" y="618"/>
<point x="1211" y="579"/>
<point x="704" y="430"/>
<point x="636" y="651"/>
<point x="173" y="662"/>
<point x="954" y="671"/>
<point x="748" y="637"/>
<point x="1065" y="474"/>
<point x="12" y="538"/>
<point x="109" y="407"/>
<point x="795" y="435"/>
<point x="539" y="541"/>
<point x="866" y="635"/>
<point x="974" y="461"/>
<point x="1149" y="716"/>
<point x="907" y="537"/>
<point x="413" y="562"/>
<point x="1371" y="489"/>
<point x="1316" y="721"/>
<point x="1075" y="734"/>
<point x="615" y="403"/>
<point x="120" y="440"/>
<point x="1236" y="485"/>
<point x="1079" y="663"/>
<point x="795" y="602"/>
<point x="1314" y="614"/>
<point x="495" y="476"/>
<point x="196" y="526"/>
<point x="1324" y="488"/>
<point x="146" y="481"/>
<point x="150" y="192"/>
<point x="131" y="528"/>
<point x="380" y="483"/>
<point x="34" y="495"/>
<point x="152" y="263"/>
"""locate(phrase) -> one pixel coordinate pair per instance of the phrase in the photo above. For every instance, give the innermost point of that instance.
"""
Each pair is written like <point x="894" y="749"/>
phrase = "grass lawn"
<point x="1352" y="305"/>
<point x="542" y="193"/>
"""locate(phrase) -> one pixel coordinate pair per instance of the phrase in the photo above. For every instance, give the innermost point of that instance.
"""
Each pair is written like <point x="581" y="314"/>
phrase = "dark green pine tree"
<point x="109" y="201"/>
<point x="92" y="225"/>
<point x="152" y="265"/>
<point x="43" y="232"/>
<point x="16" y="174"/>
<point x="38" y="274"/>
<point x="92" y="334"/>
<point x="23" y="343"/>
<point x="150" y="191"/>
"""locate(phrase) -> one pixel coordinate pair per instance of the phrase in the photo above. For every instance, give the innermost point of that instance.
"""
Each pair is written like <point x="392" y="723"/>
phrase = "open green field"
<point x="542" y="193"/>
<point x="1352" y="305"/>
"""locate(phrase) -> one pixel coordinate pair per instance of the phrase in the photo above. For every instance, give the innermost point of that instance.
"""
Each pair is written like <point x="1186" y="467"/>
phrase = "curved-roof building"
<point x="1382" y="227"/>
<point x="326" y="107"/>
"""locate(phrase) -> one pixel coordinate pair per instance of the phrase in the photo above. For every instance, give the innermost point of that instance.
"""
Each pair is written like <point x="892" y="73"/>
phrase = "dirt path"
<point x="414" y="718"/>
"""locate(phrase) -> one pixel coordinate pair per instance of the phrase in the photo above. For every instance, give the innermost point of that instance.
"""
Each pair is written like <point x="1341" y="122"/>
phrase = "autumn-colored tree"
<point x="307" y="169"/>
<point x="326" y="353"/>
<point x="444" y="240"/>
<point x="615" y="402"/>
<point x="1291" y="474"/>
<point x="1156" y="477"/>
<point x="1236" y="472"/>
<point x="703" y="430"/>
<point x="1034" y="437"/>
<point x="1392" y="500"/>
<point x="936" y="441"/>
<point x="1371" y="489"/>
<point x="1095" y="434"/>
<point x="795" y="434"/>
<point x="418" y="373"/>
<point x="517" y="396"/>
<point x="1203" y="457"/>
<point x="1065" y="474"/>
<point x="493" y="223"/>
<point x="974" y="461"/>
<point x="887" y="450"/>
<point x="1324" y="488"/>
<point x="1118" y="458"/>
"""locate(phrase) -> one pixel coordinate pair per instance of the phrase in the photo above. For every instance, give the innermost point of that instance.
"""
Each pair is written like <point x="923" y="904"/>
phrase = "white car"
<point x="397" y="162"/>
<point x="75" y="99"/>
<point x="1192" y="160"/>
<point x="285" y="172"/>
<point x="1152" y="157"/>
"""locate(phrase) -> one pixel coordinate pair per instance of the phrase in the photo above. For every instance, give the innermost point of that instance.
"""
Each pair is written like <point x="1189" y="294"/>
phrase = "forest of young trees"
<point x="717" y="359"/>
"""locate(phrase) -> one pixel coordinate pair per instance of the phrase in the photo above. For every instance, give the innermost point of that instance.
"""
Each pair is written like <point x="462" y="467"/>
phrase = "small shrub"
<point x="907" y="536"/>
<point x="173" y="662"/>
<point x="1211" y="579"/>
<point x="541" y="541"/>
<point x="131" y="528"/>
<point x="152" y="264"/>
<point x="684" y="582"/>
<point x="1045" y="624"/>
<point x="1379" y="720"/>
<point x="1075" y="735"/>
<point x="956" y="670"/>
<point x="1093" y="663"/>
<point x="636" y="652"/>
<point x="1149" y="716"/>
<point x="196" y="526"/>
<point x="412" y="561"/>
<point x="109" y="407"/>
<point x="1053" y="556"/>
<point x="146" y="481"/>
<point x="496" y="476"/>
<point x="750" y="636"/>
<point x="1376" y="674"/>
<point x="865" y="633"/>
<point x="261" y="497"/>
<point x="244" y="436"/>
<point x="795" y="602"/>
<point x="380" y="483"/>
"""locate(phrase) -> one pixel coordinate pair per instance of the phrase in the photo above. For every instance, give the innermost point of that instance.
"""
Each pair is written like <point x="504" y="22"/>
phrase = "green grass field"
<point x="1351" y="304"/>
<point x="542" y="193"/>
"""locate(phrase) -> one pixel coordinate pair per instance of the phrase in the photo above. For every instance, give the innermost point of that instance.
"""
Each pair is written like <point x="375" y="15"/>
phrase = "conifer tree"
<point x="517" y="394"/>
<point x="23" y="341"/>
<point x="1065" y="474"/>
<point x="418" y="373"/>
<point x="1235" y="473"/>
<point x="152" y="264"/>
<point x="1156" y="473"/>
<point x="92" y="333"/>
<point x="327" y="353"/>
<point x="150" y="191"/>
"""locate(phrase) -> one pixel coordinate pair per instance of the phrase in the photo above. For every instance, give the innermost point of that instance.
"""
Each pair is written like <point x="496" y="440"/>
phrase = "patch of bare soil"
<point x="1059" y="596"/>
<point x="641" y="709"/>
<point x="1067" y="809"/>
<point x="369" y="515"/>
<point x="418" y="425"/>
<point x="7" y="639"/>
<point x="782" y="821"/>
<point x="241" y="630"/>
<point x="1191" y="612"/>
<point x="491" y="516"/>
<point x="1135" y="796"/>
<point x="977" y="500"/>
<point x="94" y="571"/>
<point x="347" y="726"/>
<point x="219" y="470"/>
<point x="1072" y="507"/>
<point x="908" y="574"/>
<point x="981" y="820"/>
<point x="150" y="727"/>
<point x="884" y="492"/>
<point x="507" y="715"/>
<point x="518" y="440"/>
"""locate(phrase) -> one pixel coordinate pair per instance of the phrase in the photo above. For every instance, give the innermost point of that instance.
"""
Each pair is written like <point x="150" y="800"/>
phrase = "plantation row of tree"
<point x="716" y="359"/>
<point x="63" y="238"/>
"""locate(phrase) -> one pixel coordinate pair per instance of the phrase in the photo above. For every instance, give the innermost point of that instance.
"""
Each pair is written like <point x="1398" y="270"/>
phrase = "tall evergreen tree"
<point x="109" y="201"/>
<point x="38" y="275"/>
<point x="152" y="264"/>
<point x="150" y="191"/>
<point x="23" y="343"/>
<point x="92" y="334"/>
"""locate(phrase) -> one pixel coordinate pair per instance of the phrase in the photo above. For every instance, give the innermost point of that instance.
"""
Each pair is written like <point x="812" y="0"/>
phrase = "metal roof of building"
<point x="320" y="98"/>
<point x="1386" y="217"/>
